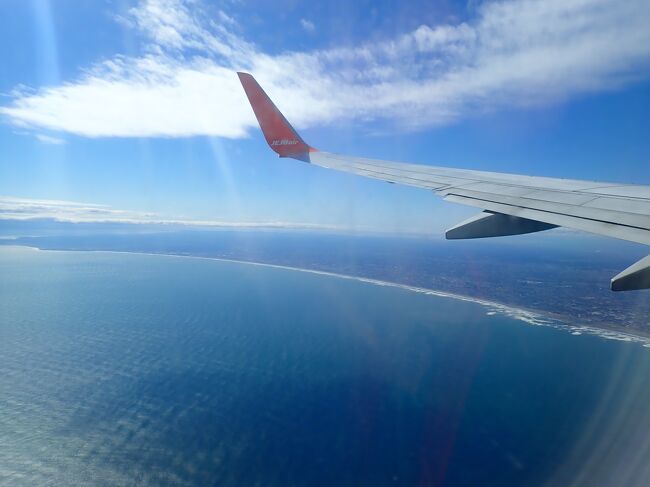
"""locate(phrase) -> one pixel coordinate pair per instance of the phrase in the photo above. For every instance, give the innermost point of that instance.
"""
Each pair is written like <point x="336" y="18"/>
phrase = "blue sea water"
<point x="124" y="369"/>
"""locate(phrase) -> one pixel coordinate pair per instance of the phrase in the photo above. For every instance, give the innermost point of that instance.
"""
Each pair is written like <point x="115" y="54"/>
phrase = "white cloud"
<point x="12" y="208"/>
<point x="512" y="53"/>
<point x="149" y="96"/>
<point x="307" y="25"/>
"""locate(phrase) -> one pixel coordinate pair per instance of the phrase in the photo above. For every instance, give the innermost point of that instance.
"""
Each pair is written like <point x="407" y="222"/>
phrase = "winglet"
<point x="278" y="132"/>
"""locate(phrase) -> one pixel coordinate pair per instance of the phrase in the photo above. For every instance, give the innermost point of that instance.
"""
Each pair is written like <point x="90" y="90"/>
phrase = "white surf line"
<point x="530" y="317"/>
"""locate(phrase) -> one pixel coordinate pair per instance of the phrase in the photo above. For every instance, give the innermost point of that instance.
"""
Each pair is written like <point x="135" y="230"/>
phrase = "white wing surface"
<point x="513" y="204"/>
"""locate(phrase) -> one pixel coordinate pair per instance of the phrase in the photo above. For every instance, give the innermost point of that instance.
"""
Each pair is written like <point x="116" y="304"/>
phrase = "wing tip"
<point x="281" y="137"/>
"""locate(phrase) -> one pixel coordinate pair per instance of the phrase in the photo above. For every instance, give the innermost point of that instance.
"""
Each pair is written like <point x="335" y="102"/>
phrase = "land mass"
<point x="564" y="283"/>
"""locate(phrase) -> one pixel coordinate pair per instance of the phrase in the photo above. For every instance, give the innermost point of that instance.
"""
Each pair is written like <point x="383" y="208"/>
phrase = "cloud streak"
<point x="511" y="53"/>
<point x="25" y="209"/>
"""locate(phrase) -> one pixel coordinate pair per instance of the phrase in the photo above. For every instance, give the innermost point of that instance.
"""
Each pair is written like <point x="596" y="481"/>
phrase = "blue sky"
<point x="135" y="106"/>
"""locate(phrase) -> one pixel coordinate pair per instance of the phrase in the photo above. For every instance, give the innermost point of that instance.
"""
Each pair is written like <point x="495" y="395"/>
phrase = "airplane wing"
<point x="512" y="204"/>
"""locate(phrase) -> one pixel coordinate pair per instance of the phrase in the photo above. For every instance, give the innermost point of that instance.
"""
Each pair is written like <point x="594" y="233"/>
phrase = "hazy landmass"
<point x="566" y="280"/>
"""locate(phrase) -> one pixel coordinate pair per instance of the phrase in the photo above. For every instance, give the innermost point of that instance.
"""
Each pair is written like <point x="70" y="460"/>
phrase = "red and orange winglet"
<point x="278" y="132"/>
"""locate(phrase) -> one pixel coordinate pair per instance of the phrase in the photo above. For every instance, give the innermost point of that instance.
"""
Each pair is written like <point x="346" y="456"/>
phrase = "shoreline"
<point x="530" y="317"/>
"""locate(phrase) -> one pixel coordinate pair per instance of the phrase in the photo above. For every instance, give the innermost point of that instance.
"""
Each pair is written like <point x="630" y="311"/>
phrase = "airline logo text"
<point x="284" y="142"/>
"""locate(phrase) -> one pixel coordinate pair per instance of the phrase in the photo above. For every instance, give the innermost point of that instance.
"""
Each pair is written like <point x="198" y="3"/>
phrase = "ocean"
<point x="127" y="369"/>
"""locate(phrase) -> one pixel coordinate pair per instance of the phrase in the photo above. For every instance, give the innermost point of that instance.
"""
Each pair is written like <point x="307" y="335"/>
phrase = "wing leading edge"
<point x="512" y="204"/>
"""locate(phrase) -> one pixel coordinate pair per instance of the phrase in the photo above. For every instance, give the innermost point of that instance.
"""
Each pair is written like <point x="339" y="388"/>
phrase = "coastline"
<point x="530" y="317"/>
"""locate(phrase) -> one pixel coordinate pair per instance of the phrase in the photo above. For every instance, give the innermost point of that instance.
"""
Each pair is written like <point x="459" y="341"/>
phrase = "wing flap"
<point x="614" y="230"/>
<point x="637" y="206"/>
<point x="548" y="205"/>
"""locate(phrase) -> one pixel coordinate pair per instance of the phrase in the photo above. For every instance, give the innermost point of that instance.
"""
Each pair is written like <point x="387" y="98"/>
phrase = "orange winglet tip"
<point x="278" y="132"/>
